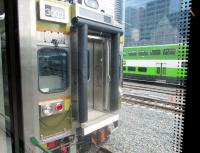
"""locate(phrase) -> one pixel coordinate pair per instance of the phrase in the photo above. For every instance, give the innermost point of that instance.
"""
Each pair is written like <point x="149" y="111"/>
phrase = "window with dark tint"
<point x="131" y="68"/>
<point x="124" y="68"/>
<point x="169" y="52"/>
<point x="142" y="69"/>
<point x="132" y="53"/>
<point x="184" y="64"/>
<point x="53" y="69"/>
<point x="143" y="53"/>
<point x="155" y="52"/>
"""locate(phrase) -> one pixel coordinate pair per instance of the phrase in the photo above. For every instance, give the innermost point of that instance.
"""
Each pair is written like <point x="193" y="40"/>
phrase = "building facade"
<point x="152" y="23"/>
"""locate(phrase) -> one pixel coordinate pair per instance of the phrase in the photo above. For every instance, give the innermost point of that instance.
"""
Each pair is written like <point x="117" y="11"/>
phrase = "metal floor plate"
<point x="98" y="120"/>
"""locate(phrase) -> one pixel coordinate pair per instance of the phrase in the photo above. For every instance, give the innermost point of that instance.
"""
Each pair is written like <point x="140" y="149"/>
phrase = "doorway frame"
<point x="14" y="74"/>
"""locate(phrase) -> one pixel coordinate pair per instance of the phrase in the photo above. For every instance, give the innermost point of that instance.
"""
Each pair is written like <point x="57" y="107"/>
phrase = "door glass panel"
<point x="5" y="134"/>
<point x="158" y="70"/>
<point x="53" y="71"/>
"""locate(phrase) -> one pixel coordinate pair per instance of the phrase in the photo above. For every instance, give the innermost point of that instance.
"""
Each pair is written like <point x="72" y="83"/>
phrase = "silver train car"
<point x="70" y="55"/>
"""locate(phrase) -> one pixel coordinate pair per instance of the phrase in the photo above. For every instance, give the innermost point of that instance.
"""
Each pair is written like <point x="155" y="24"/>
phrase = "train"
<point x="70" y="73"/>
<point x="160" y="64"/>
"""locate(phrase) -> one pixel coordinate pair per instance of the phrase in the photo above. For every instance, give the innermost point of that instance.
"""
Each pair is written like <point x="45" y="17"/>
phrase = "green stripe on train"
<point x="178" y="51"/>
<point x="152" y="71"/>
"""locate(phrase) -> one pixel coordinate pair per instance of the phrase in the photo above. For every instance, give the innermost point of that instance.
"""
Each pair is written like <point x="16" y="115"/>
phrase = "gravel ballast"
<point x="142" y="130"/>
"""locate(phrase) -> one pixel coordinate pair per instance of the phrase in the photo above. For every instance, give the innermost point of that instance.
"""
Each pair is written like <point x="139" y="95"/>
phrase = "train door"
<point x="98" y="74"/>
<point x="164" y="69"/>
<point x="161" y="72"/>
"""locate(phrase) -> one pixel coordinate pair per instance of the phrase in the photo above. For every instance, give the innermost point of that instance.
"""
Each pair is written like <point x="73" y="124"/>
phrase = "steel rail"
<point x="174" y="107"/>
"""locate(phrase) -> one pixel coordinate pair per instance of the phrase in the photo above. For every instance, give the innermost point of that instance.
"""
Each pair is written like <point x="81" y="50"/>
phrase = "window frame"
<point x="66" y="86"/>
<point x="131" y="68"/>
<point x="153" y="54"/>
<point x="132" y="53"/>
<point x="169" y="51"/>
<point x="139" y="69"/>
<point x="143" y="51"/>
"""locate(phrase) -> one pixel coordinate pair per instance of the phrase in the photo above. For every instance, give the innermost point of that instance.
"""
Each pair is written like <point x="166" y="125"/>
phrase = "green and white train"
<point x="158" y="63"/>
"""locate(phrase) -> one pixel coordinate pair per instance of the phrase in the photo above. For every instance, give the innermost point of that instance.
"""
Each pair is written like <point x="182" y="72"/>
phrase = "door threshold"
<point x="102" y="119"/>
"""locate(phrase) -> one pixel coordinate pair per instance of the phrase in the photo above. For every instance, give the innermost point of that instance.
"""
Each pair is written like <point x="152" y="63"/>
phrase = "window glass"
<point x="162" y="28"/>
<point x="131" y="68"/>
<point x="6" y="132"/>
<point x="155" y="52"/>
<point x="132" y="53"/>
<point x="184" y="64"/>
<point x="169" y="52"/>
<point x="124" y="68"/>
<point x="53" y="69"/>
<point x="124" y="53"/>
<point x="142" y="69"/>
<point x="143" y="53"/>
<point x="92" y="4"/>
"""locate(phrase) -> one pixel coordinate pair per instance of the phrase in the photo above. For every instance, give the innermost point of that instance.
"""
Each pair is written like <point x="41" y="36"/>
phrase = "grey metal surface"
<point x="99" y="75"/>
<point x="107" y="13"/>
<point x="107" y="62"/>
<point x="114" y="56"/>
<point x="90" y="74"/>
<point x="96" y="25"/>
<point x="29" y="73"/>
<point x="2" y="111"/>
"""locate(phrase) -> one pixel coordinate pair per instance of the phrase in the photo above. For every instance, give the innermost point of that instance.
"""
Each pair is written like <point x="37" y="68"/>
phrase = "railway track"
<point x="153" y="96"/>
<point x="157" y="83"/>
<point x="176" y="108"/>
<point x="158" y="89"/>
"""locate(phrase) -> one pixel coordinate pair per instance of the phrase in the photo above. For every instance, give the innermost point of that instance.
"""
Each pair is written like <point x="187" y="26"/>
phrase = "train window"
<point x="53" y="69"/>
<point x="124" y="68"/>
<point x="143" y="53"/>
<point x="131" y="68"/>
<point x="155" y="52"/>
<point x="132" y="53"/>
<point x="92" y="4"/>
<point x="169" y="52"/>
<point x="124" y="53"/>
<point x="184" y="64"/>
<point x="142" y="69"/>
